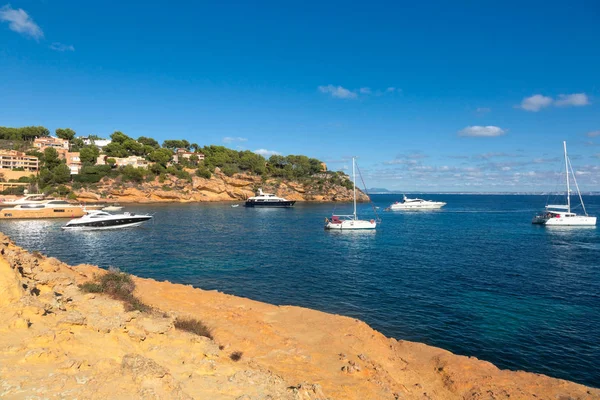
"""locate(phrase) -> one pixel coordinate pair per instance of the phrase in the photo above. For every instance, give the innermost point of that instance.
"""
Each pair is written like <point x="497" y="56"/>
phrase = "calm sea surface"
<point x="475" y="278"/>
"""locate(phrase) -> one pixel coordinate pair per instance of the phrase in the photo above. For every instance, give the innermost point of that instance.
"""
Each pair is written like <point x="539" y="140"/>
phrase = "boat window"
<point x="58" y="210"/>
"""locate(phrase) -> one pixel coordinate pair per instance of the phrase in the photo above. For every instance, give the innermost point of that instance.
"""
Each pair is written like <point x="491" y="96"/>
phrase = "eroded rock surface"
<point x="57" y="342"/>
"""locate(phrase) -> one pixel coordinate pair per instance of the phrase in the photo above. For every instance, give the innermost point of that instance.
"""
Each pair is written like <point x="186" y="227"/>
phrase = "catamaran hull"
<point x="351" y="225"/>
<point x="566" y="221"/>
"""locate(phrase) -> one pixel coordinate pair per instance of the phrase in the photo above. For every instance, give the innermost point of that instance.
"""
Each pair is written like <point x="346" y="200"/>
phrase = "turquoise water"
<point x="475" y="278"/>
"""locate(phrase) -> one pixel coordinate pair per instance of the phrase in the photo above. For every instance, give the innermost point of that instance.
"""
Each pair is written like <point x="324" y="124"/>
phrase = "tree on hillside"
<point x="27" y="133"/>
<point x="50" y="159"/>
<point x="161" y="156"/>
<point x="61" y="174"/>
<point x="146" y="141"/>
<point x="67" y="133"/>
<point x="176" y="144"/>
<point x="115" y="149"/>
<point x="133" y="148"/>
<point x="89" y="154"/>
<point x="195" y="147"/>
<point x="119" y="137"/>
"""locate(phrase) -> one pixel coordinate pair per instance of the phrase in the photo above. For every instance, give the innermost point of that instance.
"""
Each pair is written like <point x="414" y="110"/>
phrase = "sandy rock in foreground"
<point x="57" y="342"/>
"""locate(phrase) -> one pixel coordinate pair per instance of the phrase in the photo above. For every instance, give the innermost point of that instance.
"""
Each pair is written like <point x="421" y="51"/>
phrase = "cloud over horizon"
<point x="229" y="139"/>
<point x="19" y="21"/>
<point x="536" y="102"/>
<point x="338" y="92"/>
<point x="62" y="47"/>
<point x="267" y="153"/>
<point x="482" y="131"/>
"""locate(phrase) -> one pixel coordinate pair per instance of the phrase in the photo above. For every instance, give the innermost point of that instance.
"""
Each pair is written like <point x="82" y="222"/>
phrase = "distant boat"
<point x="113" y="207"/>
<point x="268" y="200"/>
<point x="350" y="222"/>
<point x="97" y="220"/>
<point x="416" y="204"/>
<point x="560" y="214"/>
<point x="235" y="205"/>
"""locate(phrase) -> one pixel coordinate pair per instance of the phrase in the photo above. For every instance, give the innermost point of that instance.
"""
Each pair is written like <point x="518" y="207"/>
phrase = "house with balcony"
<point x="12" y="159"/>
<point x="43" y="143"/>
<point x="181" y="154"/>
<point x="134" y="161"/>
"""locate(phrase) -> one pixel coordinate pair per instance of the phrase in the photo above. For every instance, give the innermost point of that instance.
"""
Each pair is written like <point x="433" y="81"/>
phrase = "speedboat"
<point x="416" y="204"/>
<point x="97" y="220"/>
<point x="561" y="214"/>
<point x="268" y="200"/>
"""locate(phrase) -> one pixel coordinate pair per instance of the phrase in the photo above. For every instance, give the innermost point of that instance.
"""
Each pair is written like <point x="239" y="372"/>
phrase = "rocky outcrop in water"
<point x="218" y="188"/>
<point x="58" y="342"/>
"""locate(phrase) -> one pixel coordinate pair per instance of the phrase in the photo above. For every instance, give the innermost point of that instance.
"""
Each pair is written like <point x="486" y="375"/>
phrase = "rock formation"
<point x="58" y="342"/>
<point x="218" y="188"/>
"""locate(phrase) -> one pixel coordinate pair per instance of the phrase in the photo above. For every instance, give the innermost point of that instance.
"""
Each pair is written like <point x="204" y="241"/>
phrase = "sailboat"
<point x="560" y="214"/>
<point x="348" y="222"/>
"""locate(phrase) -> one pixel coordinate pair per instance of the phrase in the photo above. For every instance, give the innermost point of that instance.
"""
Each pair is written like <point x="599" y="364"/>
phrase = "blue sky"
<point x="461" y="96"/>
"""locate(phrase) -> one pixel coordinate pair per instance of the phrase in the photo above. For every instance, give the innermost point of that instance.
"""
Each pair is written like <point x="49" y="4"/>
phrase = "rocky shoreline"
<point x="57" y="341"/>
<point x="219" y="187"/>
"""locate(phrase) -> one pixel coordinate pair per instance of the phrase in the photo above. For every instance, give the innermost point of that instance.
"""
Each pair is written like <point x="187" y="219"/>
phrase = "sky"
<point x="430" y="96"/>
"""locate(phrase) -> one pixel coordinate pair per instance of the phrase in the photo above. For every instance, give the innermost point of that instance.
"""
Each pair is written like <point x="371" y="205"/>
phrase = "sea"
<point x="476" y="278"/>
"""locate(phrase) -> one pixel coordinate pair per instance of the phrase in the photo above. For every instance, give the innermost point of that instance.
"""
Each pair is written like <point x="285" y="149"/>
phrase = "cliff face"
<point x="57" y="342"/>
<point x="218" y="188"/>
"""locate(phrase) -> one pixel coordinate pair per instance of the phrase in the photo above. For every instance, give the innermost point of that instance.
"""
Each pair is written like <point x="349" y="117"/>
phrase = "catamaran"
<point x="348" y="222"/>
<point x="560" y="214"/>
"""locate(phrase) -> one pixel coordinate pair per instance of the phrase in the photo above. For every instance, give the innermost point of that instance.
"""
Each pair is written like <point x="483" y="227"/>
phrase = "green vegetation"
<point x="193" y="326"/>
<point x="163" y="161"/>
<point x="119" y="286"/>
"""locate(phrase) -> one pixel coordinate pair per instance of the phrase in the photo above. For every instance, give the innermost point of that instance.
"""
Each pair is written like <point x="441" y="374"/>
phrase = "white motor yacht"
<point x="416" y="204"/>
<point x="268" y="200"/>
<point x="97" y="220"/>
<point x="560" y="214"/>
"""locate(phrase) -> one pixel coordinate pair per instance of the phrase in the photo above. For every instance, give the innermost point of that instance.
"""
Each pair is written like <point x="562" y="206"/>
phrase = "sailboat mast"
<point x="354" y="183"/>
<point x="567" y="171"/>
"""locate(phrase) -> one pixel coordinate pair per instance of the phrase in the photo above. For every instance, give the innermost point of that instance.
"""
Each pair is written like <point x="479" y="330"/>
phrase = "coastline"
<point x="92" y="347"/>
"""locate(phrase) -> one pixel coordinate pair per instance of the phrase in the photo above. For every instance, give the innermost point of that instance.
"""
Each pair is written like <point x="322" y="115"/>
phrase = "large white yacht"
<point x="560" y="214"/>
<point x="268" y="200"/>
<point x="43" y="209"/>
<point x="416" y="204"/>
<point x="97" y="220"/>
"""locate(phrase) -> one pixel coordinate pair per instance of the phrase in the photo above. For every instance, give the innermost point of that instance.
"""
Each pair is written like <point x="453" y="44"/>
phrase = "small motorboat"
<point x="235" y="205"/>
<point x="97" y="220"/>
<point x="268" y="200"/>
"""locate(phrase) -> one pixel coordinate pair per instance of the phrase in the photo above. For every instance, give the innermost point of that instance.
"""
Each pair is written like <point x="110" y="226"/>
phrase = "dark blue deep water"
<point x="475" y="278"/>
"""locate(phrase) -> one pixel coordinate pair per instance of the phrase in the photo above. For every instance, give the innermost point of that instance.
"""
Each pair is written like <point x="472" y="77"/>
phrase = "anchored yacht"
<point x="416" y="204"/>
<point x="97" y="220"/>
<point x="268" y="200"/>
<point x="560" y="214"/>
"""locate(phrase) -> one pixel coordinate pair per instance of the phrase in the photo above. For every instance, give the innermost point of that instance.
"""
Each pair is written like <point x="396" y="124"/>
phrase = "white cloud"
<point x="338" y="92"/>
<point x="365" y="90"/>
<point x="19" y="21"/>
<point x="267" y="153"/>
<point x="62" y="47"/>
<point x="482" y="131"/>
<point x="536" y="102"/>
<point x="391" y="89"/>
<point x="593" y="133"/>
<point x="572" y="100"/>
<point x="229" y="139"/>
